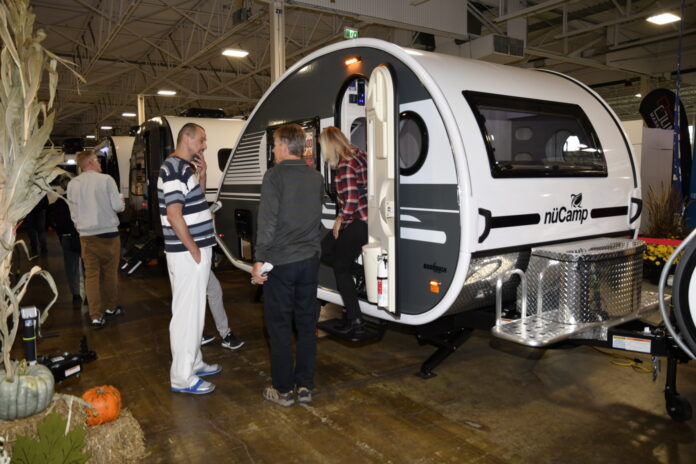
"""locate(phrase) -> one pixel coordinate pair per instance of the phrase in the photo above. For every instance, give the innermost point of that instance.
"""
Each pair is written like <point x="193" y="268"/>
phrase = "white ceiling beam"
<point x="114" y="32"/>
<point x="318" y="44"/>
<point x="618" y="7"/>
<point x="623" y="19"/>
<point x="206" y="49"/>
<point x="189" y="18"/>
<point x="56" y="30"/>
<point x="649" y="40"/>
<point x="538" y="8"/>
<point x="133" y="93"/>
<point x="575" y="60"/>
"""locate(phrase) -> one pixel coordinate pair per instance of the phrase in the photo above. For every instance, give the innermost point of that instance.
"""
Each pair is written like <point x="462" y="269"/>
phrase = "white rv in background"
<point x="155" y="140"/>
<point x="114" y="153"/>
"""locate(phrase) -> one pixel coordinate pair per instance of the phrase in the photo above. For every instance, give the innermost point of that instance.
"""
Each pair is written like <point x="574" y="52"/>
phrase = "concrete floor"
<point x="491" y="402"/>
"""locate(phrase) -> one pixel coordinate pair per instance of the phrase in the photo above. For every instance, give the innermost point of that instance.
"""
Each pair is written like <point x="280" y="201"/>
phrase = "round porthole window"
<point x="413" y="142"/>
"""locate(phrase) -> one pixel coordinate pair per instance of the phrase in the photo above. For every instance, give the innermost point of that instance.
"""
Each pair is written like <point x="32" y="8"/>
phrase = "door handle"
<point x="486" y="224"/>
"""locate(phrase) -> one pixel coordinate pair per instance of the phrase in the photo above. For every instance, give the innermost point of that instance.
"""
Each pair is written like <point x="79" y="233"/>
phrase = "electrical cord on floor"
<point x="625" y="361"/>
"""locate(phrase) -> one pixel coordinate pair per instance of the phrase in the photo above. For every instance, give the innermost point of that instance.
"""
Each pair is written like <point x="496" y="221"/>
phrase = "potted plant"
<point x="664" y="230"/>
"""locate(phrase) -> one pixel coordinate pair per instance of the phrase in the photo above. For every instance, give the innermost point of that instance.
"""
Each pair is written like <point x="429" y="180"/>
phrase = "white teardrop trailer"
<point x="481" y="176"/>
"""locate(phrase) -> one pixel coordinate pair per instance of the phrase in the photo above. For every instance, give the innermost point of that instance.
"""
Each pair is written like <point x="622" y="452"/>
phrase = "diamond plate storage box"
<point x="586" y="281"/>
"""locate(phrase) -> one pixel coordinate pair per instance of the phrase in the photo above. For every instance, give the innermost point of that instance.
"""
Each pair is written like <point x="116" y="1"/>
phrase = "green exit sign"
<point x="350" y="33"/>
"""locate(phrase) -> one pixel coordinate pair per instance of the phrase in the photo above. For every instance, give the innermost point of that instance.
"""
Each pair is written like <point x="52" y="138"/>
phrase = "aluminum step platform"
<point x="543" y="330"/>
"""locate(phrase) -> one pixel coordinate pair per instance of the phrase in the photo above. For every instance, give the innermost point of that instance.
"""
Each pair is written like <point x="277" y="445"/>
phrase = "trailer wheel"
<point x="678" y="407"/>
<point x="684" y="280"/>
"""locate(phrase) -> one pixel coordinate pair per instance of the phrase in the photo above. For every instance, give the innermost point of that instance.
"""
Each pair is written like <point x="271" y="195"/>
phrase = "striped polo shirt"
<point x="178" y="184"/>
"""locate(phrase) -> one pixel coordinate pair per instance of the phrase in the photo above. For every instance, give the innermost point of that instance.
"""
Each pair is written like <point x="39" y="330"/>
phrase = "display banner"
<point x="657" y="110"/>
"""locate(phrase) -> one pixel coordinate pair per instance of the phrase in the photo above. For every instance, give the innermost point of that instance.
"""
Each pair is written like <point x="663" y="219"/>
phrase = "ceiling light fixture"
<point x="235" y="52"/>
<point x="663" y="18"/>
<point x="166" y="92"/>
<point x="128" y="115"/>
<point x="638" y="95"/>
<point x="90" y="136"/>
<point x="352" y="60"/>
<point x="106" y="127"/>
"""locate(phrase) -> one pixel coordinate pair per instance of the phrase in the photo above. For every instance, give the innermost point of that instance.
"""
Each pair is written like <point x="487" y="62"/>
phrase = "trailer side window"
<point x="223" y="156"/>
<point x="537" y="138"/>
<point x="413" y="142"/>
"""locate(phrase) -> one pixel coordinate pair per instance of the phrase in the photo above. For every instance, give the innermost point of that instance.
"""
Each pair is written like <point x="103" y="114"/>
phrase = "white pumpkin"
<point x="29" y="394"/>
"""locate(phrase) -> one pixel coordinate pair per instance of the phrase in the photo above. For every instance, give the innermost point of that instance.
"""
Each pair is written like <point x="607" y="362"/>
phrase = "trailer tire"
<point x="684" y="278"/>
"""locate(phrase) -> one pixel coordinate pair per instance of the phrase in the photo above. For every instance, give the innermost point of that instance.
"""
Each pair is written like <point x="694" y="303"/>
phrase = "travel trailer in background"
<point x="486" y="184"/>
<point x="155" y="140"/>
<point x="114" y="154"/>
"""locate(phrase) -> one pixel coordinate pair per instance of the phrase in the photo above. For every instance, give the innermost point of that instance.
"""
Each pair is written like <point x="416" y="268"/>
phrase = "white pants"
<point x="189" y="281"/>
<point x="217" y="309"/>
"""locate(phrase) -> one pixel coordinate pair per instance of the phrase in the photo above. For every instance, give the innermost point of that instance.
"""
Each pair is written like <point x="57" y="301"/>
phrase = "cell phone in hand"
<point x="266" y="268"/>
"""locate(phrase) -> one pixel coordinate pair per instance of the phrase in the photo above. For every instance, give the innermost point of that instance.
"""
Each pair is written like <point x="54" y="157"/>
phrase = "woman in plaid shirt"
<point x="344" y="243"/>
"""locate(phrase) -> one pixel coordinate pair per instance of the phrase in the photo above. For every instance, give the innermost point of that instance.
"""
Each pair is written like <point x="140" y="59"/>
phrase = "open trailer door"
<point x="380" y="254"/>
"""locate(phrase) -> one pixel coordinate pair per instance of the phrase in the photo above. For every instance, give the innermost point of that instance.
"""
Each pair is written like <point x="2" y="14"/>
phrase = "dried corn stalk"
<point x="27" y="170"/>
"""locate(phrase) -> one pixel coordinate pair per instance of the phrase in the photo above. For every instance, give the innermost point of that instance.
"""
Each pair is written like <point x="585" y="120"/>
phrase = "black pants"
<point x="341" y="254"/>
<point x="290" y="295"/>
<point x="36" y="229"/>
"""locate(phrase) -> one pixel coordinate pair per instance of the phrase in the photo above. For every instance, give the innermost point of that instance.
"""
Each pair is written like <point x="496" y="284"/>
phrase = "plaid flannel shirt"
<point x="351" y="187"/>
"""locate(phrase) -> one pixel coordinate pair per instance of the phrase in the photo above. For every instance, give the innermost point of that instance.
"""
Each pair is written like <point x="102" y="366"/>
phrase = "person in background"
<point x="189" y="237"/>
<point x="217" y="309"/>
<point x="69" y="238"/>
<point x="288" y="236"/>
<point x="94" y="201"/>
<point x="342" y="245"/>
<point x="214" y="289"/>
<point x="35" y="224"/>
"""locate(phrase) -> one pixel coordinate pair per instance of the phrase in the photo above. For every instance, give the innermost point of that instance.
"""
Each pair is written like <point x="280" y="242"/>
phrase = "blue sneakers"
<point x="209" y="369"/>
<point x="199" y="388"/>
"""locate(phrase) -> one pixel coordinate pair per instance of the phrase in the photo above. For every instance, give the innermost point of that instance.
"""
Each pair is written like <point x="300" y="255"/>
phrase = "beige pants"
<point x="100" y="256"/>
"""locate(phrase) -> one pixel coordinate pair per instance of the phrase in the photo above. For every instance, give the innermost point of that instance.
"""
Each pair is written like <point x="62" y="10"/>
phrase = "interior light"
<point x="352" y="60"/>
<point x="128" y="115"/>
<point x="663" y="18"/>
<point x="106" y="127"/>
<point x="638" y="95"/>
<point x="90" y="136"/>
<point x="235" y="52"/>
<point x="435" y="286"/>
<point x="166" y="92"/>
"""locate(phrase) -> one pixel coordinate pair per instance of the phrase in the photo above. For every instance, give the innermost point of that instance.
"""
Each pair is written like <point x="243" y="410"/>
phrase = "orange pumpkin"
<point x="106" y="400"/>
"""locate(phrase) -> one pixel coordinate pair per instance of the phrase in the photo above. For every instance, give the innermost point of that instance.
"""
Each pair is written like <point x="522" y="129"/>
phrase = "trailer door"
<point x="383" y="172"/>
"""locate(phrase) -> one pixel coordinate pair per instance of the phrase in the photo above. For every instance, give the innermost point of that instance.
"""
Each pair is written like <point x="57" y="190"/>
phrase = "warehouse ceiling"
<point x="128" y="47"/>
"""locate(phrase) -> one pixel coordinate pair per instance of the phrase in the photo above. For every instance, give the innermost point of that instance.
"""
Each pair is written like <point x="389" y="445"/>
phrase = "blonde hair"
<point x="334" y="145"/>
<point x="83" y="157"/>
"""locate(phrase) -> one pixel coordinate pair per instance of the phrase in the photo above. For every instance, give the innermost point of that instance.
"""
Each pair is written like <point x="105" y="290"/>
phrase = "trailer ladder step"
<point x="368" y="334"/>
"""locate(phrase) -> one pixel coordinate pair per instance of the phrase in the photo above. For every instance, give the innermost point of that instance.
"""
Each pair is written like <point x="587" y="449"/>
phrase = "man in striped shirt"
<point x="189" y="236"/>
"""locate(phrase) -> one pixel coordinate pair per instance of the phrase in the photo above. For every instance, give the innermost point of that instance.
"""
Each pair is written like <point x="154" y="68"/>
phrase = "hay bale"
<point x="119" y="441"/>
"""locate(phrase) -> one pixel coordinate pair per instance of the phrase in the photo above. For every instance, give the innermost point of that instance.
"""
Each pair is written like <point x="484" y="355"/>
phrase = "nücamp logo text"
<point x="575" y="213"/>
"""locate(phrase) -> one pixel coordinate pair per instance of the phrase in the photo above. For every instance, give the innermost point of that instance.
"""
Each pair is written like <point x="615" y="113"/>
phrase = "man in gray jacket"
<point x="288" y="236"/>
<point x="94" y="201"/>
